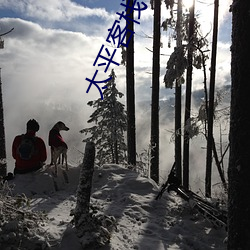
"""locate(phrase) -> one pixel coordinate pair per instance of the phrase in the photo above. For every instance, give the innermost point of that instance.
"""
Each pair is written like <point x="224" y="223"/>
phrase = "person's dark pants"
<point x="25" y="171"/>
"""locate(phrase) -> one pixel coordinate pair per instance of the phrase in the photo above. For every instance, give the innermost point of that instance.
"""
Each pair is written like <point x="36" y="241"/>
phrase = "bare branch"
<point x="7" y="32"/>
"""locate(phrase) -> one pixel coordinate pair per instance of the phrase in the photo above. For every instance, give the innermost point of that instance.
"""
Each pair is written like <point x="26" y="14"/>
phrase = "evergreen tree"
<point x="110" y="120"/>
<point x="188" y="53"/>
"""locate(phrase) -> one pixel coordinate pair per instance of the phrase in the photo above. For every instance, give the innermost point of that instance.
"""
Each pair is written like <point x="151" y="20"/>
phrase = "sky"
<point x="51" y="51"/>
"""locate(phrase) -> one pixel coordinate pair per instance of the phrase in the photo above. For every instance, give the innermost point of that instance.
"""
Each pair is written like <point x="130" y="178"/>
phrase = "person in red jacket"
<point x="29" y="150"/>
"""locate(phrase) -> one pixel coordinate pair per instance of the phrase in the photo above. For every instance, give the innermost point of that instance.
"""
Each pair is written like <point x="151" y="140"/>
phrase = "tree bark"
<point x="116" y="152"/>
<point x="93" y="229"/>
<point x="211" y="103"/>
<point x="218" y="164"/>
<point x="239" y="159"/>
<point x="3" y="161"/>
<point x="154" y="168"/>
<point x="83" y="193"/>
<point x="188" y="97"/>
<point x="130" y="82"/>
<point x="178" y="158"/>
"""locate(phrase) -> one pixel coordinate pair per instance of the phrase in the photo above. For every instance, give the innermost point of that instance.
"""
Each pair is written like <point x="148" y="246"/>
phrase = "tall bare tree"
<point x="210" y="139"/>
<point x="239" y="159"/>
<point x="3" y="162"/>
<point x="130" y="89"/>
<point x="178" y="155"/>
<point x="188" y="96"/>
<point x="154" y="168"/>
<point x="174" y="75"/>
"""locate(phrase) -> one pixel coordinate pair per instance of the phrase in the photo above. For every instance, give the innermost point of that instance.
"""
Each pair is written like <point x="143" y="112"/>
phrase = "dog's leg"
<point x="55" y="158"/>
<point x="66" y="161"/>
<point x="63" y="157"/>
<point x="59" y="159"/>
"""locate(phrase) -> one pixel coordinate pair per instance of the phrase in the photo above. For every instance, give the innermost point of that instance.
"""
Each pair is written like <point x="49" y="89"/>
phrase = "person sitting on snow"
<point x="29" y="150"/>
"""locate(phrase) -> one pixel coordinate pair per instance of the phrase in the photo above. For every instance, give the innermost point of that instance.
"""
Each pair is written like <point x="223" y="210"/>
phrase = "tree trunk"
<point x="218" y="164"/>
<point x="130" y="82"/>
<point x="116" y="152"/>
<point x="211" y="102"/>
<point x="3" y="162"/>
<point x="239" y="159"/>
<point x="154" y="168"/>
<point x="178" y="100"/>
<point x="93" y="231"/>
<point x="83" y="193"/>
<point x="188" y="98"/>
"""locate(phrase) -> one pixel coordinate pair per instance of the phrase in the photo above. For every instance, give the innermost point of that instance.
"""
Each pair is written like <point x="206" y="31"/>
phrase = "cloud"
<point x="56" y="10"/>
<point x="45" y="55"/>
<point x="43" y="75"/>
<point x="46" y="60"/>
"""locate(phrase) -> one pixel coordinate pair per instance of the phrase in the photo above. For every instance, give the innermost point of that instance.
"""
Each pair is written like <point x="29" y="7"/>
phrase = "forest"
<point x="218" y="115"/>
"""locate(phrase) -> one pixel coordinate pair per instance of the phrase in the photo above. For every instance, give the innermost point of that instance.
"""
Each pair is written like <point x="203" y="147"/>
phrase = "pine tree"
<point x="189" y="53"/>
<point x="110" y="120"/>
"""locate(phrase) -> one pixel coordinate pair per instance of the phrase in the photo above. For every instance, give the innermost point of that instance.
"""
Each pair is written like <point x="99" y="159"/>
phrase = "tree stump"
<point x="92" y="227"/>
<point x="84" y="187"/>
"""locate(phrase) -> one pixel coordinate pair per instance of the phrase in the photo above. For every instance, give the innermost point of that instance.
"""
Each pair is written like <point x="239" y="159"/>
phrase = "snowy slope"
<point x="141" y="221"/>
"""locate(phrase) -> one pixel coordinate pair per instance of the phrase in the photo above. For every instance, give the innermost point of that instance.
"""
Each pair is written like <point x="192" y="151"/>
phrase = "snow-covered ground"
<point x="141" y="221"/>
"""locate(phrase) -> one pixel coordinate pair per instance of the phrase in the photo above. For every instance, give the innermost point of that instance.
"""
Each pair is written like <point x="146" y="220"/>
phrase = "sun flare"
<point x="188" y="3"/>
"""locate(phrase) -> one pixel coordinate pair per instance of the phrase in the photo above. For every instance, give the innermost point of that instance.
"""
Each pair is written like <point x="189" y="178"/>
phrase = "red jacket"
<point x="37" y="159"/>
<point x="55" y="139"/>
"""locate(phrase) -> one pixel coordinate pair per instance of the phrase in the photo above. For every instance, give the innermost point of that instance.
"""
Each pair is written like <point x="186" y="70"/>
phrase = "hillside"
<point x="141" y="221"/>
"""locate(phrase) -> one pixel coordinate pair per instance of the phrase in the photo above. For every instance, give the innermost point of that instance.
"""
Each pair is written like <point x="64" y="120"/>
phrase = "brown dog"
<point x="58" y="146"/>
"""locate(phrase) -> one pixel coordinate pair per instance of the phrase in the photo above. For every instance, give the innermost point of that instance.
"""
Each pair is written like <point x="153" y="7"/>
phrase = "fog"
<point x="45" y="62"/>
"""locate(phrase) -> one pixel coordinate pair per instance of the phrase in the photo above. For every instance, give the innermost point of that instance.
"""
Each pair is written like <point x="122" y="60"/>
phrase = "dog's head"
<point x="61" y="126"/>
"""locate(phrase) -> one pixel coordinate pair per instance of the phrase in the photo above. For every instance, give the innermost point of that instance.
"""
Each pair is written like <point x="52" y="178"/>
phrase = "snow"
<point x="142" y="222"/>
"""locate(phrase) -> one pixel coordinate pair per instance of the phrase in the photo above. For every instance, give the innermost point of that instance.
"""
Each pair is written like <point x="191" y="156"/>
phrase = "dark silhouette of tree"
<point x="176" y="66"/>
<point x="110" y="125"/>
<point x="83" y="192"/>
<point x="239" y="159"/>
<point x="154" y="168"/>
<point x="178" y="155"/>
<point x="188" y="96"/>
<point x="188" y="52"/>
<point x="3" y="162"/>
<point x="130" y="89"/>
<point x="210" y="139"/>
<point x="91" y="230"/>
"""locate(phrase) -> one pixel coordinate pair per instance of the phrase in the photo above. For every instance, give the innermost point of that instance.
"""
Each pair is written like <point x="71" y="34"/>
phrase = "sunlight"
<point x="187" y="3"/>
